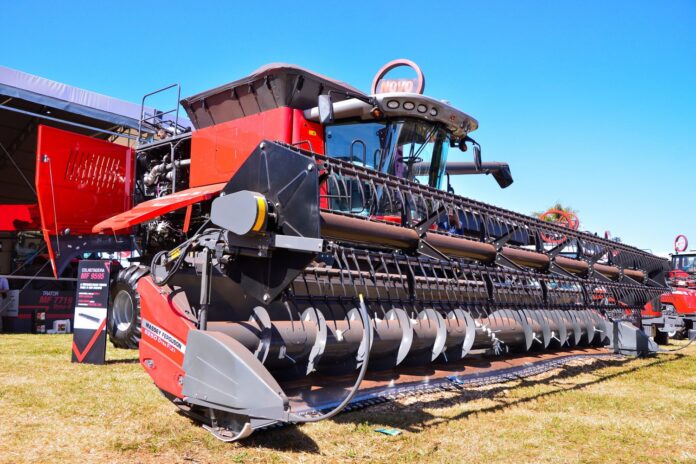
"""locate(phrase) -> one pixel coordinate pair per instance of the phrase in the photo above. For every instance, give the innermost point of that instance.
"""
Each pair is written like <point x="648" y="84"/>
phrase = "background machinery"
<point x="681" y="301"/>
<point x="305" y="240"/>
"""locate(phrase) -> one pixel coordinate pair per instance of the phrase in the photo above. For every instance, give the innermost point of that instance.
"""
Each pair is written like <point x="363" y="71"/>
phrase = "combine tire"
<point x="123" y="323"/>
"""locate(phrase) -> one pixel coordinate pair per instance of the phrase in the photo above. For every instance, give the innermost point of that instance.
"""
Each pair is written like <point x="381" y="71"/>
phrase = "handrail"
<point x="158" y="114"/>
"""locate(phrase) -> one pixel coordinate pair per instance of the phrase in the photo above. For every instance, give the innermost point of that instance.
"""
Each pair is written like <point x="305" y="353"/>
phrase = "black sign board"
<point x="91" y="300"/>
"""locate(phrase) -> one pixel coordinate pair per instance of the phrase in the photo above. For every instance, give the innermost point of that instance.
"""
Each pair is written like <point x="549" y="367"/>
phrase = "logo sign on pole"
<point x="382" y="85"/>
<point x="681" y="243"/>
<point x="89" y="335"/>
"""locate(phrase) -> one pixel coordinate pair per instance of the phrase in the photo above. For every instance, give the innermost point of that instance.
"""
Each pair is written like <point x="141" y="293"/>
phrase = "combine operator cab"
<point x="683" y="272"/>
<point x="404" y="135"/>
<point x="408" y="136"/>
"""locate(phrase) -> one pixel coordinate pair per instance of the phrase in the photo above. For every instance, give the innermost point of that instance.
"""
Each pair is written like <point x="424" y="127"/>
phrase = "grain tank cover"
<point x="271" y="86"/>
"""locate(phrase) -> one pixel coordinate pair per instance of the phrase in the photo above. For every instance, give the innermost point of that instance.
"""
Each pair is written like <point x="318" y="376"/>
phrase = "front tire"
<point x="123" y="319"/>
<point x="661" y="338"/>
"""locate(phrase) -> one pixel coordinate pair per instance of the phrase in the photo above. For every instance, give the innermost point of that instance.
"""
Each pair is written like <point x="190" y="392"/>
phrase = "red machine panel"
<point x="80" y="181"/>
<point x="682" y="299"/>
<point x="157" y="207"/>
<point x="19" y="217"/>
<point x="218" y="151"/>
<point x="165" y="330"/>
<point x="307" y="135"/>
<point x="651" y="311"/>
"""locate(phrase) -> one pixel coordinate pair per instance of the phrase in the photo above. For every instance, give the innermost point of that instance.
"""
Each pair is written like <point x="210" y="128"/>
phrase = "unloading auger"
<point x="314" y="245"/>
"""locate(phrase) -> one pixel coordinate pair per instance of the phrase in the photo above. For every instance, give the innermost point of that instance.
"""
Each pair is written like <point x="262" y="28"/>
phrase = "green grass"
<point x="635" y="410"/>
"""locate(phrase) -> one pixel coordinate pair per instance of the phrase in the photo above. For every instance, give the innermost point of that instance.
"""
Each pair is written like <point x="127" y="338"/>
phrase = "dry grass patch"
<point x="633" y="410"/>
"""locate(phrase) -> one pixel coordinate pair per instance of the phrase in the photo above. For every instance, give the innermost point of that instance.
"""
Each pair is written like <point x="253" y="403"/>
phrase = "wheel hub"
<point x="123" y="310"/>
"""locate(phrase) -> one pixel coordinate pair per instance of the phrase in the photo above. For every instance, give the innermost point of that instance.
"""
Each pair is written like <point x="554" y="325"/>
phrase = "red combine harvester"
<point x="304" y="242"/>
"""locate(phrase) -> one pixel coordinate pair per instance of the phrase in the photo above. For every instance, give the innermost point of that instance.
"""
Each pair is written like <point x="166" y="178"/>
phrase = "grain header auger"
<point x="302" y="243"/>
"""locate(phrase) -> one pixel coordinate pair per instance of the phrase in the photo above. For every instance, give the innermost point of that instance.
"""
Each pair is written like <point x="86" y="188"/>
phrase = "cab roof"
<point x="271" y="86"/>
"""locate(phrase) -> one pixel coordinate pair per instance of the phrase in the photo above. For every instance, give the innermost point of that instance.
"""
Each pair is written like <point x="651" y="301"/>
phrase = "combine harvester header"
<point x="305" y="238"/>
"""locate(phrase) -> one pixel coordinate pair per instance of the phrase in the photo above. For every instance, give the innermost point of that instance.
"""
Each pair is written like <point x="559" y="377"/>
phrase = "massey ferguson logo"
<point x="162" y="337"/>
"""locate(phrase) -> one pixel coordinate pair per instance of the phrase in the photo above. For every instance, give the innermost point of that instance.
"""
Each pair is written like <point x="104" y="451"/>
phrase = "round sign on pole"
<point x="681" y="243"/>
<point x="382" y="85"/>
<point x="560" y="217"/>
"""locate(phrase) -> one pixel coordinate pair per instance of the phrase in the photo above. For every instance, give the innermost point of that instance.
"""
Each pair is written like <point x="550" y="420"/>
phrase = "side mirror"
<point x="503" y="175"/>
<point x="326" y="114"/>
<point x="477" y="156"/>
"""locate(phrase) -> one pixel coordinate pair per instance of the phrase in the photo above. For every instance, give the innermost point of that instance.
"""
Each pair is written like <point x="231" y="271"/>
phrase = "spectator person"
<point x="4" y="288"/>
<point x="4" y="297"/>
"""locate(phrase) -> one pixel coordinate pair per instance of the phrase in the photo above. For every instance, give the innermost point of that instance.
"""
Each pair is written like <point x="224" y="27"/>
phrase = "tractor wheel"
<point x="674" y="334"/>
<point x="123" y="320"/>
<point x="661" y="338"/>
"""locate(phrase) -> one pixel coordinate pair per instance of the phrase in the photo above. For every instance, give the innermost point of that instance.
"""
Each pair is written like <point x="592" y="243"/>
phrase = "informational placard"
<point x="21" y="310"/>
<point x="91" y="300"/>
<point x="9" y="306"/>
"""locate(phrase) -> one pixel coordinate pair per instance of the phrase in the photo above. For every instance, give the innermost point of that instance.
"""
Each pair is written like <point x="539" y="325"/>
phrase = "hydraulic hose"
<point x="663" y="350"/>
<point x="172" y="271"/>
<point x="183" y="250"/>
<point x="367" y="337"/>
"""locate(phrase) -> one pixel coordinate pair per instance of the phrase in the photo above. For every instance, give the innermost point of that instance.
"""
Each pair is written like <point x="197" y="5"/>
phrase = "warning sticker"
<point x="162" y="337"/>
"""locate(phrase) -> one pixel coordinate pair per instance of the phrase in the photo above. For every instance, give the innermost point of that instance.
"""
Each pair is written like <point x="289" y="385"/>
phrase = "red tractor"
<point x="675" y="315"/>
<point x="681" y="301"/>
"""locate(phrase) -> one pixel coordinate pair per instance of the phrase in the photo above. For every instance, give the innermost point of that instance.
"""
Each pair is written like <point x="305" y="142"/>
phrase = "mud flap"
<point x="221" y="374"/>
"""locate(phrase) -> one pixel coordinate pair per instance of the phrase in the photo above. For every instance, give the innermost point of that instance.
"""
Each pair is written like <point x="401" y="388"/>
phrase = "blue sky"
<point x="592" y="103"/>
